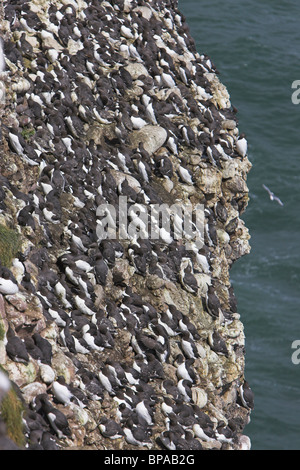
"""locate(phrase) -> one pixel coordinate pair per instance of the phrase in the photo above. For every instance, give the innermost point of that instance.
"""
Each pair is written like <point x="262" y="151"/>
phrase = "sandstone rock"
<point x="33" y="389"/>
<point x="47" y="374"/>
<point x="21" y="374"/>
<point x="63" y="365"/>
<point x="209" y="180"/>
<point x="136" y="70"/>
<point x="152" y="138"/>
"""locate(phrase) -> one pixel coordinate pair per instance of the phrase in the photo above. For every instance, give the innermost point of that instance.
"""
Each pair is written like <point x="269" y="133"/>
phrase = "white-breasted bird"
<point x="242" y="146"/>
<point x="272" y="195"/>
<point x="61" y="391"/>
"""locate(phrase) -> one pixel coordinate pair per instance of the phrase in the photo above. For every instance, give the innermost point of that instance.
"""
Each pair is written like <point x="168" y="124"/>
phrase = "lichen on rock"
<point x="134" y="341"/>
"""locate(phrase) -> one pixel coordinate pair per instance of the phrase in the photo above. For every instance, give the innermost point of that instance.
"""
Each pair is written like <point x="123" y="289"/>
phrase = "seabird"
<point x="272" y="195"/>
<point x="67" y="338"/>
<point x="84" y="304"/>
<point x="186" y="325"/>
<point x="56" y="418"/>
<point x="17" y="143"/>
<point x="45" y="346"/>
<point x="61" y="391"/>
<point x="224" y="433"/>
<point x="167" y="79"/>
<point x="150" y="112"/>
<point x="167" y="440"/>
<point x="187" y="278"/>
<point x="14" y="140"/>
<point x="188" y="346"/>
<point x="192" y="443"/>
<point x="16" y="348"/>
<point x="110" y="428"/>
<point x="145" y="412"/>
<point x="93" y="389"/>
<point x="213" y="304"/>
<point x="48" y="442"/>
<point x="107" y="380"/>
<point x="61" y="290"/>
<point x="32" y="349"/>
<point x="124" y="411"/>
<point x="168" y="323"/>
<point x="204" y="428"/>
<point x="49" y="214"/>
<point x="8" y="283"/>
<point x="185" y="175"/>
<point x="206" y="434"/>
<point x="92" y="338"/>
<point x="135" y="435"/>
<point x="138" y="122"/>
<point x="217" y="343"/>
<point x="241" y="146"/>
<point x="184" y="387"/>
<point x="126" y="32"/>
<point x="246" y="395"/>
<point x="184" y="369"/>
<point x="18" y="269"/>
<point x="167" y="406"/>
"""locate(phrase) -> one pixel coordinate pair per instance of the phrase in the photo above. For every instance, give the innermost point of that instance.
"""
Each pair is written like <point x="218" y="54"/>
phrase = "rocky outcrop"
<point x="131" y="342"/>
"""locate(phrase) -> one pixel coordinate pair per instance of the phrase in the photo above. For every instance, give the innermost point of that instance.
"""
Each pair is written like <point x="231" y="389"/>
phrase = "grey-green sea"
<point x="255" y="47"/>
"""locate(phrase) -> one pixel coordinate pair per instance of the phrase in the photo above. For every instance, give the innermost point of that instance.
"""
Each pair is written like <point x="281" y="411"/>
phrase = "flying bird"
<point x="272" y="196"/>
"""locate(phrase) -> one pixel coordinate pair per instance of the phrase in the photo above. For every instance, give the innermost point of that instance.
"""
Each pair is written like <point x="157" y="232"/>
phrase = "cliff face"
<point x="102" y="100"/>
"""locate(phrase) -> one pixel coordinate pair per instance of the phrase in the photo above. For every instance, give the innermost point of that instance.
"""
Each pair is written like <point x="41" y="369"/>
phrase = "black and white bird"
<point x="110" y="428"/>
<point x="224" y="433"/>
<point x="145" y="411"/>
<point x="204" y="427"/>
<point x="57" y="420"/>
<point x="108" y="380"/>
<point x="135" y="435"/>
<point x="32" y="349"/>
<point x="184" y="369"/>
<point x="15" y="347"/>
<point x="45" y="346"/>
<point x="213" y="304"/>
<point x="48" y="442"/>
<point x="61" y="391"/>
<point x="8" y="283"/>
<point x="185" y="175"/>
<point x="92" y="337"/>
<point x="25" y="217"/>
<point x="167" y="440"/>
<point x="246" y="395"/>
<point x="242" y="146"/>
<point x="185" y="324"/>
<point x="184" y="387"/>
<point x="101" y="270"/>
<point x="18" y="145"/>
<point x="217" y="343"/>
<point x="186" y="276"/>
<point x="188" y="346"/>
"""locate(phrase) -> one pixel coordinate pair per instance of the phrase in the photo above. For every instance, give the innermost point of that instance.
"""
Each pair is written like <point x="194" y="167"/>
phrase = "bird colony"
<point x="127" y="343"/>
